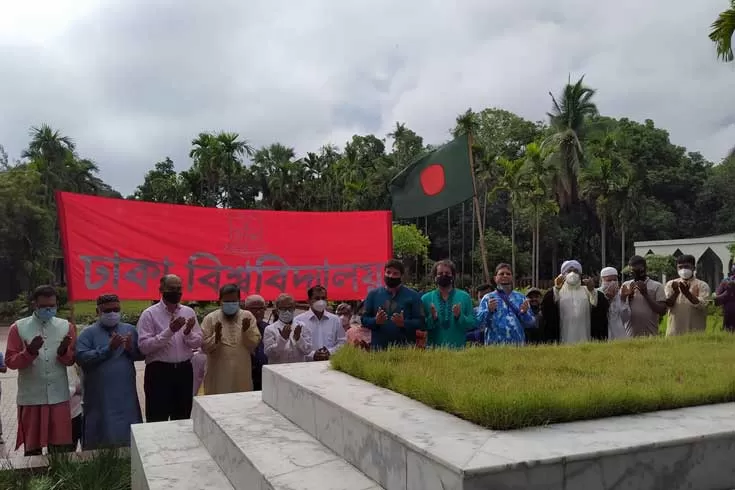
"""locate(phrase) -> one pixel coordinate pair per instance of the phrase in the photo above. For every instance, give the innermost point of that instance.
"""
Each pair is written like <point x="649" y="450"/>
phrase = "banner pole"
<point x="476" y="202"/>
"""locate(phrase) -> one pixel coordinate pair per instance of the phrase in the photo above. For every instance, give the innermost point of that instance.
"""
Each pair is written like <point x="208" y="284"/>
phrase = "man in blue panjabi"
<point x="106" y="351"/>
<point x="505" y="313"/>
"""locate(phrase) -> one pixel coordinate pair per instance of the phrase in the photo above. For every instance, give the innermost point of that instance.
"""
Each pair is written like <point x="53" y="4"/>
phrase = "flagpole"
<point x="480" y="224"/>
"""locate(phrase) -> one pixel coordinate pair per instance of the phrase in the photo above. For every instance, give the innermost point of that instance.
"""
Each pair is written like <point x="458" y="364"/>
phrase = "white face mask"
<point x="319" y="306"/>
<point x="686" y="273"/>
<point x="610" y="284"/>
<point x="573" y="279"/>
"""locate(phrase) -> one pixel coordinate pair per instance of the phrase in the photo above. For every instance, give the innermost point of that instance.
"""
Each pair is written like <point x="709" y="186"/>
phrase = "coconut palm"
<point x="568" y="119"/>
<point x="511" y="182"/>
<point x="536" y="176"/>
<point x="722" y="32"/>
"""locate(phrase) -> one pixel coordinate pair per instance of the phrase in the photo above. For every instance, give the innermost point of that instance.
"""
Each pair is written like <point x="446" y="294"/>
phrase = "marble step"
<point x="259" y="449"/>
<point x="169" y="456"/>
<point x="405" y="445"/>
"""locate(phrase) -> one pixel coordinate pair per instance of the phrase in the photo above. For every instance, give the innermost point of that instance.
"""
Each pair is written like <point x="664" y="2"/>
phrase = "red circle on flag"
<point x="432" y="179"/>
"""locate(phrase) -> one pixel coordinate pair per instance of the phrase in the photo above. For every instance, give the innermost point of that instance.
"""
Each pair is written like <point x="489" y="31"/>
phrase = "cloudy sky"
<point x="132" y="81"/>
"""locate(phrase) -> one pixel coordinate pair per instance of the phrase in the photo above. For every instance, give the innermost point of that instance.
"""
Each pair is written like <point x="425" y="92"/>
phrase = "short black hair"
<point x="636" y="260"/>
<point x="395" y="264"/>
<point x="229" y="289"/>
<point x="310" y="292"/>
<point x="45" y="291"/>
<point x="107" y="298"/>
<point x="446" y="263"/>
<point x="501" y="266"/>
<point x="483" y="287"/>
<point x="686" y="259"/>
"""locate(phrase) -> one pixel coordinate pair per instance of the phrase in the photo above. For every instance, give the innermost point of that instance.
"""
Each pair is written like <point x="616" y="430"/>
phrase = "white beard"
<point x="574" y="314"/>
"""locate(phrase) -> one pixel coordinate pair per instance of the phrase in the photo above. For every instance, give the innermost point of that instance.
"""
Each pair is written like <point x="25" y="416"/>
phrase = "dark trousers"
<point x="65" y="448"/>
<point x="167" y="389"/>
<point x="77" y="429"/>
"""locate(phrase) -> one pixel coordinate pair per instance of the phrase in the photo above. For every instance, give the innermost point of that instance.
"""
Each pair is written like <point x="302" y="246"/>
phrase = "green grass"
<point x="89" y="308"/>
<point x="106" y="470"/>
<point x="508" y="387"/>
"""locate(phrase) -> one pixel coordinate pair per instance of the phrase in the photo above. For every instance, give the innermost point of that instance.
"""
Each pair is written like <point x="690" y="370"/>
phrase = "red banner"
<point x="123" y="247"/>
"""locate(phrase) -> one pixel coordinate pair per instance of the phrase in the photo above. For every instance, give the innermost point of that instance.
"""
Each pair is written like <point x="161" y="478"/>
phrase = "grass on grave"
<point x="505" y="387"/>
<point x="106" y="469"/>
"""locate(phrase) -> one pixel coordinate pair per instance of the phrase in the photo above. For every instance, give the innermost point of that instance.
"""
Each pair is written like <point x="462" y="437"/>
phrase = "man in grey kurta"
<point x="106" y="351"/>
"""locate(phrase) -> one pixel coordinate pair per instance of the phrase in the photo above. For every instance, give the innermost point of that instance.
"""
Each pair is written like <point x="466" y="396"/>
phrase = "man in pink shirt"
<point x="167" y="333"/>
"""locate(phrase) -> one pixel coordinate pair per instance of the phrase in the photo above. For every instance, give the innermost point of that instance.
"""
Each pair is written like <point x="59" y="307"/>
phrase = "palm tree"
<point x="601" y="181"/>
<point x="49" y="152"/>
<point x="536" y="176"/>
<point x="511" y="182"/>
<point x="722" y="31"/>
<point x="217" y="158"/>
<point x="568" y="119"/>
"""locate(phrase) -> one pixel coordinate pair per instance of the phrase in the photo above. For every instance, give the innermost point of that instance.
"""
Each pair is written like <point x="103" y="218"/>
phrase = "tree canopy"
<point x="578" y="185"/>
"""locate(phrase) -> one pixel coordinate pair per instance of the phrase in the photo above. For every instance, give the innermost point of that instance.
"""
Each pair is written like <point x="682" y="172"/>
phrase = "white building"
<point x="713" y="257"/>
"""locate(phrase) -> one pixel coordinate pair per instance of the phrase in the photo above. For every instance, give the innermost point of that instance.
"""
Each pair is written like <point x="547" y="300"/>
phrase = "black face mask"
<point x="444" y="281"/>
<point x="392" y="282"/>
<point x="171" y="297"/>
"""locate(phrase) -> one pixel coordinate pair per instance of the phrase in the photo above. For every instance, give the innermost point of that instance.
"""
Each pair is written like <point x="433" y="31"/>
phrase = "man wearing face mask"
<point x="686" y="298"/>
<point x="255" y="304"/>
<point x="229" y="338"/>
<point x="448" y="311"/>
<point x="393" y="313"/>
<point x="322" y="328"/>
<point x="618" y="313"/>
<point x="568" y="306"/>
<point x="646" y="298"/>
<point x="168" y="334"/>
<point x="106" y="352"/>
<point x="41" y="347"/>
<point x="284" y="340"/>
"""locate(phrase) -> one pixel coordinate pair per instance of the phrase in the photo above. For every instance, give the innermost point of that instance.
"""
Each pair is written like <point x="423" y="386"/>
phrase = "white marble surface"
<point x="404" y="444"/>
<point x="259" y="449"/>
<point x="169" y="456"/>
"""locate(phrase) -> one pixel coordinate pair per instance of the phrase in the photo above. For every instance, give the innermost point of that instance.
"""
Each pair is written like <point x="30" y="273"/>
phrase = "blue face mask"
<point x="230" y="308"/>
<point x="47" y="313"/>
<point x="110" y="319"/>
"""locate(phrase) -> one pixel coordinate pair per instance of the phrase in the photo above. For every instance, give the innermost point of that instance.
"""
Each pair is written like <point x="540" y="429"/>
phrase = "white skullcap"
<point x="608" y="271"/>
<point x="570" y="264"/>
<point x="252" y="300"/>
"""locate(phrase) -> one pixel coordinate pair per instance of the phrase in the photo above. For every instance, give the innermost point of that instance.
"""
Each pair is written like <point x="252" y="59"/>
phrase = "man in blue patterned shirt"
<point x="504" y="313"/>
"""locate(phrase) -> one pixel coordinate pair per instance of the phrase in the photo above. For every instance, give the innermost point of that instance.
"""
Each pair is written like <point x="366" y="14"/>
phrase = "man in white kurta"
<point x="618" y="312"/>
<point x="575" y="301"/>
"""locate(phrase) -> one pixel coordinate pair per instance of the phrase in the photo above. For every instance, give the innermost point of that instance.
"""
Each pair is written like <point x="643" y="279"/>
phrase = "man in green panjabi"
<point x="448" y="311"/>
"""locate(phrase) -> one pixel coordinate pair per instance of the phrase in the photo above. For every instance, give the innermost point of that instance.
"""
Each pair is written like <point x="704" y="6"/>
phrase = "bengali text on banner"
<point x="124" y="247"/>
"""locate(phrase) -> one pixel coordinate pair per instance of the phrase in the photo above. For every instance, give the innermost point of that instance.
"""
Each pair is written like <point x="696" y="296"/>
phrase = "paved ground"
<point x="8" y="408"/>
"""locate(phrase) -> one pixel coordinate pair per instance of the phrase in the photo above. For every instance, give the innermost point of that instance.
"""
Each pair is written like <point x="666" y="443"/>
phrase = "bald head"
<point x="255" y="304"/>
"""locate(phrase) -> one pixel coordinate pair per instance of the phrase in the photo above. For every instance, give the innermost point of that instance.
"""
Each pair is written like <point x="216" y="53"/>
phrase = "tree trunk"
<point x="603" y="239"/>
<point x="538" y="247"/>
<point x="513" y="241"/>
<point x="622" y="245"/>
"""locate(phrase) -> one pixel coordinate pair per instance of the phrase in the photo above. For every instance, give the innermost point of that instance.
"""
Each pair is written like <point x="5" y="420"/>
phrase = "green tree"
<point x="601" y="182"/>
<point x="721" y="33"/>
<point x="162" y="184"/>
<point x="536" y="174"/>
<point x="568" y="119"/>
<point x="511" y="182"/>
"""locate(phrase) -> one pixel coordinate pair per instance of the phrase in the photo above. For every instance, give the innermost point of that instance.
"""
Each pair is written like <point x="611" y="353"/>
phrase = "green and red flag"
<point x="434" y="181"/>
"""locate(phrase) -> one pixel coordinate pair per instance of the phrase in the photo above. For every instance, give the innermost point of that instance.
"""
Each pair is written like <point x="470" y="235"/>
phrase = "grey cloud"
<point x="135" y="81"/>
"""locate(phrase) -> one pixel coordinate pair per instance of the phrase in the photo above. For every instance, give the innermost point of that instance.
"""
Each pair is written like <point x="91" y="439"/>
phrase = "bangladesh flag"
<point x="434" y="181"/>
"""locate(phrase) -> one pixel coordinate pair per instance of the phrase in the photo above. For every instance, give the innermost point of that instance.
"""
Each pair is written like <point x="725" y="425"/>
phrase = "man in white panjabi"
<point x="618" y="312"/>
<point x="575" y="298"/>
